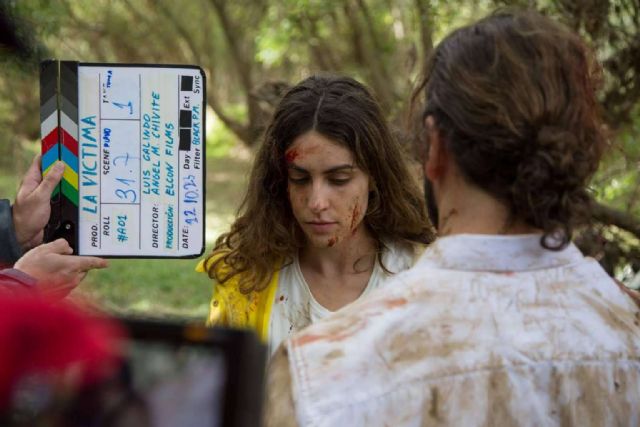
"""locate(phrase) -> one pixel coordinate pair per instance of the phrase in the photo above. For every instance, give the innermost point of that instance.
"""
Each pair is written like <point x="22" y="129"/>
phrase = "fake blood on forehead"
<point x="291" y="155"/>
<point x="297" y="153"/>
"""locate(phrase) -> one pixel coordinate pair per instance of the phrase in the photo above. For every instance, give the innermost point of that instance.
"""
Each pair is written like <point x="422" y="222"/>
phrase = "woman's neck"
<point x="355" y="254"/>
<point x="338" y="275"/>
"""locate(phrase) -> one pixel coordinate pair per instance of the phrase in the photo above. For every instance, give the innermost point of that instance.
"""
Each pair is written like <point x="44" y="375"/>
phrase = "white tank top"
<point x="295" y="307"/>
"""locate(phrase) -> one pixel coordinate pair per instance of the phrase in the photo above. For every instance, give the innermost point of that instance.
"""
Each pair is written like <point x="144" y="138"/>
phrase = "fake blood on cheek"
<point x="354" y="218"/>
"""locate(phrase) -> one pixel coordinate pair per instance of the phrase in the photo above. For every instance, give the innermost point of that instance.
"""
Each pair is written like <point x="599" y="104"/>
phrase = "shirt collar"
<point x="480" y="252"/>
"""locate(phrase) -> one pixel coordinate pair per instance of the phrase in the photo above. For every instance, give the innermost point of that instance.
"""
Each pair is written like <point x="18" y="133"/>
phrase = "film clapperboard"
<point x="132" y="138"/>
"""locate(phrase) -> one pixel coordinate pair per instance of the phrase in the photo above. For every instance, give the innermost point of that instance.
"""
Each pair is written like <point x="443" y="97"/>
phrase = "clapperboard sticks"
<point x="59" y="133"/>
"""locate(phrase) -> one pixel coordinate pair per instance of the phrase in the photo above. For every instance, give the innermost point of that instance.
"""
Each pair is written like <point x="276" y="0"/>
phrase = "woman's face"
<point x="327" y="191"/>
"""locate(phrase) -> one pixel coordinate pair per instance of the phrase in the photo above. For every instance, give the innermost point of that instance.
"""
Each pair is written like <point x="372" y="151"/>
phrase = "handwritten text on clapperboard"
<point x="141" y="161"/>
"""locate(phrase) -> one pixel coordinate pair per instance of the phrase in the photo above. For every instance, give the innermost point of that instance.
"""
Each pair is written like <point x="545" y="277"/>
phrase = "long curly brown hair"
<point x="513" y="98"/>
<point x="265" y="233"/>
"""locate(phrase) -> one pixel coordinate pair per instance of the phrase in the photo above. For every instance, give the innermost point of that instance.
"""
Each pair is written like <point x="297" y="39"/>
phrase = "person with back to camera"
<point x="502" y="321"/>
<point x="330" y="212"/>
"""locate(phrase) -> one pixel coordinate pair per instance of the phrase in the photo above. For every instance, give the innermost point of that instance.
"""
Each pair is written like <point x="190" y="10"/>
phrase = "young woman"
<point x="331" y="211"/>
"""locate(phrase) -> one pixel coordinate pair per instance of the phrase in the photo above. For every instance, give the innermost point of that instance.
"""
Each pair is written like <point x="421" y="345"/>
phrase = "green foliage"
<point x="451" y="15"/>
<point x="220" y="140"/>
<point x="616" y="183"/>
<point x="152" y="287"/>
<point x="8" y="185"/>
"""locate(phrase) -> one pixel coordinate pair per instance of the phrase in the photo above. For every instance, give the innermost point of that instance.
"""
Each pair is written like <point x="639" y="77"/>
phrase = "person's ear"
<point x="434" y="165"/>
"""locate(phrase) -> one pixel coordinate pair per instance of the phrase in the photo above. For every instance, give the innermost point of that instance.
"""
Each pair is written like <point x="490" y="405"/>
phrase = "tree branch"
<point x="240" y="130"/>
<point x="624" y="220"/>
<point x="182" y="31"/>
<point x="243" y="63"/>
<point x="243" y="67"/>
<point x="425" y="23"/>
<point x="320" y="52"/>
<point x="364" y="58"/>
<point x="370" y="25"/>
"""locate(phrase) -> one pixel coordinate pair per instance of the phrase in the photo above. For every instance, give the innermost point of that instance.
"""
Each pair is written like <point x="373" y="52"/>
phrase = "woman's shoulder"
<point x="219" y="269"/>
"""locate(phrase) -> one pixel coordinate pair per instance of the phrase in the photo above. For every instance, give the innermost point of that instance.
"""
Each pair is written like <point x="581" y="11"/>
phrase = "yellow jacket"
<point x="231" y="308"/>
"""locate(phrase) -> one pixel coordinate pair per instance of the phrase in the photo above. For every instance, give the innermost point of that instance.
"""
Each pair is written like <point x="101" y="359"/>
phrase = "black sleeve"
<point x="10" y="250"/>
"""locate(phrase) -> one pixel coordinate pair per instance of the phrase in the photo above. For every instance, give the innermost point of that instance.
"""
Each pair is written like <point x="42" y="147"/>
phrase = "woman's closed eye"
<point x="298" y="179"/>
<point x="339" y="180"/>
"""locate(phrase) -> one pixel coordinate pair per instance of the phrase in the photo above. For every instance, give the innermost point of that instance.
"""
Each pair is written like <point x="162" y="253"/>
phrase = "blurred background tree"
<point x="252" y="50"/>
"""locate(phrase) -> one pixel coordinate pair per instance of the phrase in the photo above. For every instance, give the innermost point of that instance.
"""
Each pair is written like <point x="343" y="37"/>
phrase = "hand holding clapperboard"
<point x="132" y="138"/>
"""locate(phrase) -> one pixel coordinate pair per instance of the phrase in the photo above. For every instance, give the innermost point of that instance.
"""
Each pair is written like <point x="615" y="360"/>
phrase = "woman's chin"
<point x="322" y="242"/>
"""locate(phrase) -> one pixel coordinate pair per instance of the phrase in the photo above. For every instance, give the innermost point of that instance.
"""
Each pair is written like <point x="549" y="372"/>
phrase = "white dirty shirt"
<point x="295" y="307"/>
<point x="483" y="330"/>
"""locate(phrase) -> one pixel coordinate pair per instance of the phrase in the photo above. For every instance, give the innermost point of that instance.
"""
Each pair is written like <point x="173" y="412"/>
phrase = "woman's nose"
<point x="318" y="199"/>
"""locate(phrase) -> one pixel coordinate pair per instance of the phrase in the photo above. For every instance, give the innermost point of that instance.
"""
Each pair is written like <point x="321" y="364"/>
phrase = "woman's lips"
<point x="319" y="227"/>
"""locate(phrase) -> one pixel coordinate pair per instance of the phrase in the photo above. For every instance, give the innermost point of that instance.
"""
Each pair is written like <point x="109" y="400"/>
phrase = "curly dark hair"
<point x="266" y="233"/>
<point x="513" y="98"/>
